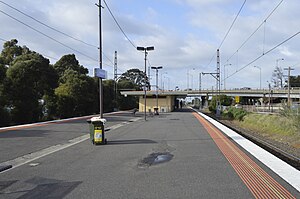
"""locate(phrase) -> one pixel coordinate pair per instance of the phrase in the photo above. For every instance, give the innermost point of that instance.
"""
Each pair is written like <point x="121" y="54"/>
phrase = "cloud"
<point x="188" y="40"/>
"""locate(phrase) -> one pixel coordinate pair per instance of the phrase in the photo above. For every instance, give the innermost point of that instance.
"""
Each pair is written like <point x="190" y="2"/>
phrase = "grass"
<point x="277" y="127"/>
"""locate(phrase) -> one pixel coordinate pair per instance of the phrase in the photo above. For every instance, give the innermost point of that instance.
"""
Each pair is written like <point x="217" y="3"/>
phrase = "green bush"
<point x="224" y="100"/>
<point x="235" y="113"/>
<point x="292" y="114"/>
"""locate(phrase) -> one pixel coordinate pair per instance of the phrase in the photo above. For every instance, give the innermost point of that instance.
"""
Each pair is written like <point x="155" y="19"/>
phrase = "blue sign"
<point x="100" y="73"/>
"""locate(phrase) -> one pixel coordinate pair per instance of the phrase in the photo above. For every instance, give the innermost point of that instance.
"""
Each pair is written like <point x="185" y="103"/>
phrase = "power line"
<point x="232" y="24"/>
<point x="54" y="29"/>
<point x="264" y="21"/>
<point x="44" y="24"/>
<point x="39" y="53"/>
<point x="107" y="58"/>
<point x="227" y="33"/>
<point x="119" y="25"/>
<point x="212" y="58"/>
<point x="48" y="36"/>
<point x="50" y="57"/>
<point x="296" y="64"/>
<point x="263" y="54"/>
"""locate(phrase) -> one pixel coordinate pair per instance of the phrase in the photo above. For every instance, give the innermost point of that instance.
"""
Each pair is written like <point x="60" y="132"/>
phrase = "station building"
<point x="165" y="101"/>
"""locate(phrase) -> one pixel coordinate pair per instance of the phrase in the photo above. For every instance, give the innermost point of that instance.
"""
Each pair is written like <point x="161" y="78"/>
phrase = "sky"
<point x="185" y="34"/>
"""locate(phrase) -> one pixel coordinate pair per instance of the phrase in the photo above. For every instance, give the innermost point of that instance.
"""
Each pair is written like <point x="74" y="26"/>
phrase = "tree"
<point x="4" y="114"/>
<point x="109" y="102"/>
<point x="69" y="62"/>
<point x="224" y="99"/>
<point x="29" y="77"/>
<point x="129" y="102"/>
<point x="77" y="92"/>
<point x="278" y="77"/>
<point x="76" y="95"/>
<point x="10" y="51"/>
<point x="137" y="77"/>
<point x="295" y="81"/>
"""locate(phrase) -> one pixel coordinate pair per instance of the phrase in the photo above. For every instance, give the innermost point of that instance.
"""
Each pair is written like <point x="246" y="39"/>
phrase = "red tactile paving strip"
<point x="261" y="184"/>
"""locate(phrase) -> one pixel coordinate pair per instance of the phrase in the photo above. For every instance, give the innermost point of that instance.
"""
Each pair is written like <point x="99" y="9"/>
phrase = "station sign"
<point x="100" y="73"/>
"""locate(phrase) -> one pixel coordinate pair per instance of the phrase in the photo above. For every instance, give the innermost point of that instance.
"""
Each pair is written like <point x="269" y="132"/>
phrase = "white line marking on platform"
<point x="47" y="151"/>
<point x="281" y="168"/>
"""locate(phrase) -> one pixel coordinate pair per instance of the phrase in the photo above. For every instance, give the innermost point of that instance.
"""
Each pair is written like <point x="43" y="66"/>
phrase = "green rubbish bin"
<point x="97" y="134"/>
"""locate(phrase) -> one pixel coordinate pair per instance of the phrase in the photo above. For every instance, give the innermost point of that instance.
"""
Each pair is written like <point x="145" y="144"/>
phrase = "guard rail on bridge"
<point x="279" y="93"/>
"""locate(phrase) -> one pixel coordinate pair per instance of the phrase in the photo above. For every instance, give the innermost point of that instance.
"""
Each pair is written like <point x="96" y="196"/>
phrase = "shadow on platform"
<point x="137" y="141"/>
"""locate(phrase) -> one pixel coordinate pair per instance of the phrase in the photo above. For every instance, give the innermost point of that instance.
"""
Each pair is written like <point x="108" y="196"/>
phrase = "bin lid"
<point x="98" y="119"/>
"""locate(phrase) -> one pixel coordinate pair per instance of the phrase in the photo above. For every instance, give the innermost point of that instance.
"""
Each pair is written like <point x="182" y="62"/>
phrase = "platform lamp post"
<point x="156" y="69"/>
<point x="259" y="75"/>
<point x="161" y="80"/>
<point x="145" y="49"/>
<point x="225" y="75"/>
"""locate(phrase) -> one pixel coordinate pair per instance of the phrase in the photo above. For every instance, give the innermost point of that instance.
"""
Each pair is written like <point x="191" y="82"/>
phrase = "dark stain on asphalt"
<point x="154" y="159"/>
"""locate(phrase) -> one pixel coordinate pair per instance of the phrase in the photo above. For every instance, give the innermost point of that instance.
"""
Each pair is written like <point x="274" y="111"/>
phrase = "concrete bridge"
<point x="166" y="101"/>
<point x="256" y="93"/>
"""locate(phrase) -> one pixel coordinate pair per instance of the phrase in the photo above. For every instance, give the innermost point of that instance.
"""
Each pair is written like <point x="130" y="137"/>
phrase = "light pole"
<point x="168" y="82"/>
<point x="289" y="85"/>
<point x="145" y="49"/>
<point x="200" y="82"/>
<point x="225" y="76"/>
<point x="269" y="96"/>
<point x="259" y="75"/>
<point x="156" y="68"/>
<point x="161" y="80"/>
<point x="188" y="81"/>
<point x="277" y="60"/>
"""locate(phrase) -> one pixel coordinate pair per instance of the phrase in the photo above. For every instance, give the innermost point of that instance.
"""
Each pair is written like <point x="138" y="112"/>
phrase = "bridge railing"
<point x="272" y="108"/>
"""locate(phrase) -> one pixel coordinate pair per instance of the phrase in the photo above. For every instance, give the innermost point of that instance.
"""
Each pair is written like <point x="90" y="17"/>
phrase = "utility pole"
<point x="200" y="98"/>
<point x="289" y="85"/>
<point x="269" y="96"/>
<point x="187" y="73"/>
<point x="199" y="82"/>
<point x="218" y="85"/>
<point x="116" y="75"/>
<point x="149" y="75"/>
<point x="100" y="59"/>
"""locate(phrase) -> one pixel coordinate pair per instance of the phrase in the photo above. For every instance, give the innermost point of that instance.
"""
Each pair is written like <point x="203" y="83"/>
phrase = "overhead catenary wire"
<point x="233" y="22"/>
<point x="49" y="37"/>
<point x="128" y="39"/>
<point x="262" y="55"/>
<point x="228" y="31"/>
<point x="296" y="64"/>
<point x="212" y="58"/>
<point x="54" y="29"/>
<point x="47" y="56"/>
<point x="260" y="25"/>
<point x="44" y="24"/>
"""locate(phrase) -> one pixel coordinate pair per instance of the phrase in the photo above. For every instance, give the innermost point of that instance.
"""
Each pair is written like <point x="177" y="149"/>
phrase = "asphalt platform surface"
<point x="167" y="156"/>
